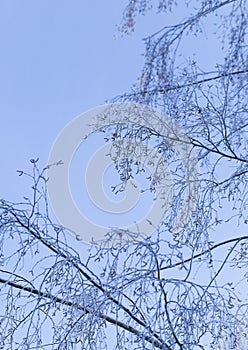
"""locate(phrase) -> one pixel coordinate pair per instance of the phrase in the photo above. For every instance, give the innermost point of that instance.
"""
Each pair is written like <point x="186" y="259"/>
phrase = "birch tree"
<point x="182" y="289"/>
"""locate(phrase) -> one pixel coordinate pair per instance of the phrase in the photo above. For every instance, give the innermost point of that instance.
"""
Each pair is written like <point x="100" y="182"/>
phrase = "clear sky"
<point x="58" y="59"/>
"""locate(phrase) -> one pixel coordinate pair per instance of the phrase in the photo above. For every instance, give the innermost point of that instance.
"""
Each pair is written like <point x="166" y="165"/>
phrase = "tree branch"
<point x="110" y="320"/>
<point x="87" y="276"/>
<point x="204" y="252"/>
<point x="177" y="87"/>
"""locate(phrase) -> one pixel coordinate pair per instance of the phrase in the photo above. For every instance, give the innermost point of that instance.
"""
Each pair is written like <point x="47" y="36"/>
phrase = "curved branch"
<point x="182" y="86"/>
<point x="87" y="276"/>
<point x="86" y="310"/>
<point x="237" y="240"/>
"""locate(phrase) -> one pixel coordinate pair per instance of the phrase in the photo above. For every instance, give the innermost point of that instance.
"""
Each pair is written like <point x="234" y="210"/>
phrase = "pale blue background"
<point x="58" y="59"/>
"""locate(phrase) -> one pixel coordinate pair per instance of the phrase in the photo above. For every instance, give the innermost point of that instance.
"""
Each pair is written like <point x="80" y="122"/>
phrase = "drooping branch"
<point x="86" y="310"/>
<point x="228" y="241"/>
<point x="182" y="86"/>
<point x="197" y="143"/>
<point x="87" y="277"/>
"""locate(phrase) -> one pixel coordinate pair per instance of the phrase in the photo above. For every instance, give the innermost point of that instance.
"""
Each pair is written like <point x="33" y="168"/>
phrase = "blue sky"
<point x="58" y="59"/>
